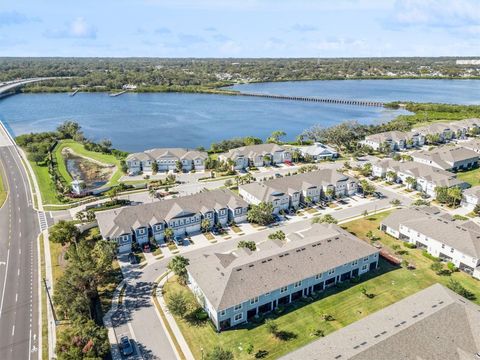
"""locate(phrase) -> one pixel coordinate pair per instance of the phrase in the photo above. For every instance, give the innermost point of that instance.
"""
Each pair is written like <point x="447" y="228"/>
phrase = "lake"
<point x="135" y="122"/>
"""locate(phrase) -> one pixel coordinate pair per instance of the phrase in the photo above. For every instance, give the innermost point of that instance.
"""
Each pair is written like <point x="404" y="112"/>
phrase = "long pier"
<point x="317" y="99"/>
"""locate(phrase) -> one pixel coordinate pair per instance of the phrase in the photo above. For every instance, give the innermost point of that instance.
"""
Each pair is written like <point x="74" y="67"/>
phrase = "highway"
<point x="19" y="291"/>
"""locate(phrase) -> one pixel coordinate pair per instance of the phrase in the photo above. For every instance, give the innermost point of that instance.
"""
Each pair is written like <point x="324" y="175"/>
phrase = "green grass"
<point x="43" y="301"/>
<point x="3" y="189"/>
<point x="472" y="176"/>
<point x="80" y="150"/>
<point x="346" y="303"/>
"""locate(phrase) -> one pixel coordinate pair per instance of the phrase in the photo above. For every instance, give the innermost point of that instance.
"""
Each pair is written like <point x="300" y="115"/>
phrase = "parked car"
<point x="278" y="175"/>
<point x="215" y="231"/>
<point x="126" y="346"/>
<point x="132" y="258"/>
<point x="178" y="240"/>
<point x="146" y="248"/>
<point x="378" y="195"/>
<point x="277" y="218"/>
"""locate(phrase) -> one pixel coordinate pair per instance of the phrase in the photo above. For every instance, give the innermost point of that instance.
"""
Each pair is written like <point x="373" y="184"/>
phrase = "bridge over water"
<point x="11" y="87"/>
<point x="316" y="99"/>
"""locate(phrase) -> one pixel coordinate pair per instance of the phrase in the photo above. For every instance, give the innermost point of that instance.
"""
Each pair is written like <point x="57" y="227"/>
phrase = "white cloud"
<point x="79" y="28"/>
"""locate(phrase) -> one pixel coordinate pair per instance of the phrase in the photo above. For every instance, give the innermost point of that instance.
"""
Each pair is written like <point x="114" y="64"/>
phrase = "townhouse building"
<point x="397" y="140"/>
<point x="427" y="178"/>
<point x="257" y="155"/>
<point x="451" y="158"/>
<point x="290" y="191"/>
<point x="183" y="215"/>
<point x="166" y="159"/>
<point x="471" y="198"/>
<point x="235" y="287"/>
<point x="472" y="144"/>
<point x="408" y="329"/>
<point x="443" y="130"/>
<point x="318" y="151"/>
<point x="439" y="234"/>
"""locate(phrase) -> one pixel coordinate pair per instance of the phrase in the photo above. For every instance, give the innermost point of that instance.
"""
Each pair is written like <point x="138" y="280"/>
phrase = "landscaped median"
<point x="3" y="187"/>
<point x="316" y="316"/>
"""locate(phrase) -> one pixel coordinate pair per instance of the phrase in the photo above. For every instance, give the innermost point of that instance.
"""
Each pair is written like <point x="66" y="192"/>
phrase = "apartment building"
<point x="397" y="140"/>
<point x="471" y="198"/>
<point x="451" y="158"/>
<point x="235" y="287"/>
<point x="257" y="155"/>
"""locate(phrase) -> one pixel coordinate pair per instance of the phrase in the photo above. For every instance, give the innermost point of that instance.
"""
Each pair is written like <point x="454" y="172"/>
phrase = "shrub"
<point x="219" y="353"/>
<point x="261" y="354"/>
<point x="409" y="245"/>
<point x="272" y="326"/>
<point x="177" y="304"/>
<point x="437" y="267"/>
<point x="460" y="290"/>
<point x="429" y="256"/>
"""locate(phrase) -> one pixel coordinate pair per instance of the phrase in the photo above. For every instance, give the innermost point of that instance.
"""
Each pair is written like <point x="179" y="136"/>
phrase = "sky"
<point x="240" y="28"/>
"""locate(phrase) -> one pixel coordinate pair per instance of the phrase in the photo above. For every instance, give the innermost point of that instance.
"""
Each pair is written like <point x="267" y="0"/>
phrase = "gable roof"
<point x="113" y="223"/>
<point x="252" y="151"/>
<point x="433" y="324"/>
<point x="176" y="153"/>
<point x="289" y="184"/>
<point x="227" y="281"/>
<point x="389" y="136"/>
<point x="446" y="156"/>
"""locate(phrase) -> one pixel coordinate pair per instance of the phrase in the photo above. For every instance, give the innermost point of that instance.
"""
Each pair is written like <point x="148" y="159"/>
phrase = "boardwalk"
<point x="316" y="99"/>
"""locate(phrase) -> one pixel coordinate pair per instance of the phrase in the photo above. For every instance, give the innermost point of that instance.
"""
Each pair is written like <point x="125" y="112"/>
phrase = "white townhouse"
<point x="448" y="131"/>
<point x="183" y="215"/>
<point x="471" y="198"/>
<point x="472" y="144"/>
<point x="290" y="191"/>
<point x="166" y="159"/>
<point x="257" y="155"/>
<point x="438" y="233"/>
<point x="318" y="151"/>
<point x="236" y="287"/>
<point x="397" y="140"/>
<point x="443" y="130"/>
<point x="451" y="158"/>
<point x="427" y="178"/>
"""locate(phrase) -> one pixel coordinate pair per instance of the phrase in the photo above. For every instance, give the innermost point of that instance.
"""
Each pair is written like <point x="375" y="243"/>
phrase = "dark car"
<point x="146" y="248"/>
<point x="278" y="175"/>
<point x="378" y="195"/>
<point x="178" y="240"/>
<point x="126" y="346"/>
<point x="132" y="258"/>
<point x="277" y="218"/>
<point x="215" y="231"/>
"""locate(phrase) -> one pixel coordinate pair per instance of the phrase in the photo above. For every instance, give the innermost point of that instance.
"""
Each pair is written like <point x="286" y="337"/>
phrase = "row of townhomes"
<point x="471" y="198"/>
<point x="291" y="191"/>
<point x="183" y="215"/>
<point x="437" y="232"/>
<point x="451" y="158"/>
<point x="402" y="140"/>
<point x="433" y="324"/>
<point x="235" y="287"/>
<point x="166" y="159"/>
<point x="257" y="155"/>
<point x="318" y="151"/>
<point x="427" y="178"/>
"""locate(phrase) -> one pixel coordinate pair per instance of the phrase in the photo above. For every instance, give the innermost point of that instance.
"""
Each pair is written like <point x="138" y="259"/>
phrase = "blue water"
<point x="136" y="122"/>
<point x="437" y="91"/>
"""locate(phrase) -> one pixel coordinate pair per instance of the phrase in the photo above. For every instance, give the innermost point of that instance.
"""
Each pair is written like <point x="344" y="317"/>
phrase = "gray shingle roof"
<point x="253" y="150"/>
<point x="113" y="223"/>
<point x="289" y="184"/>
<point x="473" y="191"/>
<point x="227" y="281"/>
<point x="433" y="324"/>
<point x="156" y="154"/>
<point x="389" y="135"/>
<point x="445" y="156"/>
<point x="438" y="225"/>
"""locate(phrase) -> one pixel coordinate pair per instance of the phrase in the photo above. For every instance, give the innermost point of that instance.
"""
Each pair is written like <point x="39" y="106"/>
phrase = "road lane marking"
<point x="13" y="330"/>
<point x="4" y="283"/>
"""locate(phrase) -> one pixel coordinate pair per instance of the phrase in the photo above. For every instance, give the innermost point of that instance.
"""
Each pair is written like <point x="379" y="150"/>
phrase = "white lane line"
<point x="18" y="272"/>
<point x="13" y="330"/>
<point x="16" y="297"/>
<point x="4" y="283"/>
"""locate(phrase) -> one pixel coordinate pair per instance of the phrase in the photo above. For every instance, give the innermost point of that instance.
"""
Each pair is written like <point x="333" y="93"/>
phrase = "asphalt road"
<point x="138" y="319"/>
<point x="19" y="228"/>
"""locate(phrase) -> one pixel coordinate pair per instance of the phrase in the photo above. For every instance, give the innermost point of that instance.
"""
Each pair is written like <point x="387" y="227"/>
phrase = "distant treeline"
<point x="206" y="75"/>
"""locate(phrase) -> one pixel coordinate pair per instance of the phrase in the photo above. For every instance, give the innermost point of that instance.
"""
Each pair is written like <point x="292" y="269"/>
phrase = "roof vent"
<point x="239" y="269"/>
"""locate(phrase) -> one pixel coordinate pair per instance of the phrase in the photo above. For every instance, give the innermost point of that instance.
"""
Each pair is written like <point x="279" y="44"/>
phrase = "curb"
<point x="107" y="322"/>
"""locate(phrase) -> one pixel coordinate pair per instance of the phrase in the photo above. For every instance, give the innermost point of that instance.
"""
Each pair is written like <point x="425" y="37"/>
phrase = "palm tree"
<point x="154" y="167"/>
<point x="308" y="200"/>
<point x="330" y="193"/>
<point x="411" y="182"/>
<point x="455" y="193"/>
<point x="237" y="180"/>
<point x="152" y="193"/>
<point x="168" y="234"/>
<point x="80" y="216"/>
<point x="391" y="176"/>
<point x="296" y="155"/>
<point x="205" y="225"/>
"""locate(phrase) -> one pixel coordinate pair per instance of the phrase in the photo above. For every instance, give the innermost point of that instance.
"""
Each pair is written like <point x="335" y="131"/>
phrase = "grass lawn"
<point x="472" y="176"/>
<point x="236" y="229"/>
<point x="345" y="303"/>
<point x="3" y="189"/>
<point x="45" y="184"/>
<point x="209" y="236"/>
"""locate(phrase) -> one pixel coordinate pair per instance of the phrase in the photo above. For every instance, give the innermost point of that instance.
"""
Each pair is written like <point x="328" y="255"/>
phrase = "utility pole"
<point x="50" y="300"/>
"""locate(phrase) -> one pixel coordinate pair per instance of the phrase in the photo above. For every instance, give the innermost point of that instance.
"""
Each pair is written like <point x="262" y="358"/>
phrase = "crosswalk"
<point x="42" y="220"/>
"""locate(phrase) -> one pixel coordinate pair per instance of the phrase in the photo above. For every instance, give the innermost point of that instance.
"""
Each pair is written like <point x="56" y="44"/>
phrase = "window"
<point x="452" y="250"/>
<point x="297" y="284"/>
<point x="238" y="317"/>
<point x="318" y="276"/>
<point x="141" y="231"/>
<point x="443" y="246"/>
<point x="283" y="289"/>
<point x="331" y="271"/>
<point x="365" y="258"/>
<point x="268" y="293"/>
<point x="237" y="307"/>
<point x="254" y="300"/>
<point x="158" y="227"/>
<point x="354" y="262"/>
<point x="222" y="313"/>
<point x="364" y="267"/>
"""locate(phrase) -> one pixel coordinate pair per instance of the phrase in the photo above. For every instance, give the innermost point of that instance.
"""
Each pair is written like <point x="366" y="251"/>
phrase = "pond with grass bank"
<point x="94" y="173"/>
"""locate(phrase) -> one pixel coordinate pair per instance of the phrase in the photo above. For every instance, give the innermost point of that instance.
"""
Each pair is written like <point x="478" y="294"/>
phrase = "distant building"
<point x="183" y="215"/>
<point x="235" y="287"/>
<point x="166" y="159"/>
<point x="397" y="140"/>
<point x="468" y="62"/>
<point x="289" y="191"/>
<point x="438" y="233"/>
<point x="257" y="155"/>
<point x="433" y="324"/>
<point x="451" y="158"/>
<point x="318" y="151"/>
<point x="427" y="178"/>
<point x="471" y="198"/>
